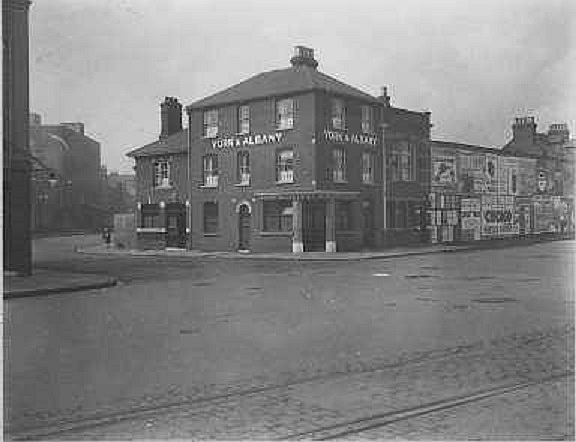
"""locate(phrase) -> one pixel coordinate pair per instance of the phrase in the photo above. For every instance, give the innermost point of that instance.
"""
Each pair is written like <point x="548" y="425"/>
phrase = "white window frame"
<point x="243" y="168"/>
<point x="210" y="170"/>
<point x="367" y="119"/>
<point x="244" y="119"/>
<point x="338" y="114"/>
<point x="161" y="173"/>
<point x="285" y="114"/>
<point x="368" y="167"/>
<point x="210" y="123"/>
<point x="339" y="165"/>
<point x="285" y="166"/>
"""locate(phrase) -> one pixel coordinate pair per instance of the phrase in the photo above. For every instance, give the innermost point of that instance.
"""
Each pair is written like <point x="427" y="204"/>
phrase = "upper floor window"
<point x="402" y="164"/>
<point x="211" y="123"/>
<point x="244" y="119"/>
<point x="210" y="163"/>
<point x="338" y="114"/>
<point x="285" y="114"/>
<point x="367" y="167"/>
<point x="367" y="120"/>
<point x="338" y="165"/>
<point x="285" y="166"/>
<point x="162" y="173"/>
<point x="210" y="217"/>
<point x="244" y="168"/>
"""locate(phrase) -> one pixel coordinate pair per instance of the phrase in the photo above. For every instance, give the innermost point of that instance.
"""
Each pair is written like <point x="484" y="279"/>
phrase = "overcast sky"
<point x="475" y="64"/>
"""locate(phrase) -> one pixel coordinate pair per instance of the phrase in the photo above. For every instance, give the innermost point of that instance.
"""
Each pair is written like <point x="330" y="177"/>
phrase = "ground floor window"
<point x="277" y="216"/>
<point x="150" y="216"/>
<point x="210" y="217"/>
<point x="404" y="214"/>
<point x="343" y="212"/>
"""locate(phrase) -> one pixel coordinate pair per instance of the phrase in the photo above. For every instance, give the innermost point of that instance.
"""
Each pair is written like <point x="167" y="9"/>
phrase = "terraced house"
<point x="288" y="160"/>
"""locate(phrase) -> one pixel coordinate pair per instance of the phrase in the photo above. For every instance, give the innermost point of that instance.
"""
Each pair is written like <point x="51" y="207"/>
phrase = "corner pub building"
<point x="290" y="160"/>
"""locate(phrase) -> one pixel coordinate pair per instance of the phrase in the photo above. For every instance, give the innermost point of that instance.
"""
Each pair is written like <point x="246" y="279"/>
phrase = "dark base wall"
<point x="151" y="241"/>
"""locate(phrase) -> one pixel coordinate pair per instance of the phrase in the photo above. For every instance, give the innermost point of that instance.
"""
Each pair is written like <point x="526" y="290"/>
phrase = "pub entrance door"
<point x="314" y="226"/>
<point x="176" y="225"/>
<point x="244" y="227"/>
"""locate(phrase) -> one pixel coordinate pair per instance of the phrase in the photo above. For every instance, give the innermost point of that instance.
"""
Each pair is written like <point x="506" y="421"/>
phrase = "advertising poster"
<point x="444" y="171"/>
<point x="498" y="216"/>
<point x="470" y="217"/>
<point x="491" y="174"/>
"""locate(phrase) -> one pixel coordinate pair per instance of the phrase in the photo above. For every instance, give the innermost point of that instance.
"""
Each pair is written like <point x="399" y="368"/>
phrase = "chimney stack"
<point x="170" y="117"/>
<point x="523" y="131"/>
<point x="384" y="96"/>
<point x="558" y="133"/>
<point x="303" y="56"/>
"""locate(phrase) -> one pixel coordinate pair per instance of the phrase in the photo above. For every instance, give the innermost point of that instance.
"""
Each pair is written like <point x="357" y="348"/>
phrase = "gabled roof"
<point x="280" y="82"/>
<point x="175" y="143"/>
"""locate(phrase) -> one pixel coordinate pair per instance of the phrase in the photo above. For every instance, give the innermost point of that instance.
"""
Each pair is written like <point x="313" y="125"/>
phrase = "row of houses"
<point x="296" y="160"/>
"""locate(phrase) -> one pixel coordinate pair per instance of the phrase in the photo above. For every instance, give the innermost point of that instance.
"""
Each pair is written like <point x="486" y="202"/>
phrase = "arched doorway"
<point x="244" y="227"/>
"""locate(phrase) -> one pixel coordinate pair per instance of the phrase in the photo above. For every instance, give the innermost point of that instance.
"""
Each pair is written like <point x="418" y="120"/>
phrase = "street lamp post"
<point x="383" y="127"/>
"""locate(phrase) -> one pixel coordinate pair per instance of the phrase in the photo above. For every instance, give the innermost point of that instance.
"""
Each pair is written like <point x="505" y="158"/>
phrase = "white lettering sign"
<point x="247" y="140"/>
<point x="343" y="137"/>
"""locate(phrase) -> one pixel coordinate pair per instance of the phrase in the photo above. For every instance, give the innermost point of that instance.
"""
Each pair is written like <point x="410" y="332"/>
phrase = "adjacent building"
<point x="66" y="185"/>
<point x="288" y="160"/>
<point x="526" y="187"/>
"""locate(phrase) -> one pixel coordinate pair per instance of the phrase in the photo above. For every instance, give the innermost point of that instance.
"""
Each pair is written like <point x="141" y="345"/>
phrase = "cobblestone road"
<point x="541" y="411"/>
<point x="280" y="348"/>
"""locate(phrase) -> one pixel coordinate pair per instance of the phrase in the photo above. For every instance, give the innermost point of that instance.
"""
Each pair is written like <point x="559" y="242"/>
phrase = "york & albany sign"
<point x="343" y="137"/>
<point x="247" y="140"/>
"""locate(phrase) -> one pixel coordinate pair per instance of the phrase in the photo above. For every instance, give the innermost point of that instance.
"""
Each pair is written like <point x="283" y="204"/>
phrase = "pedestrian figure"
<point x="107" y="236"/>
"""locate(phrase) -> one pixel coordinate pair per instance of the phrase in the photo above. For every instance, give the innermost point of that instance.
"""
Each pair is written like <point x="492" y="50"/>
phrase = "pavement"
<point x="396" y="252"/>
<point x="46" y="282"/>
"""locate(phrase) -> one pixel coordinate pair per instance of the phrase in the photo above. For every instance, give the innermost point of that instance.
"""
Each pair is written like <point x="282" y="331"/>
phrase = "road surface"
<point x="243" y="349"/>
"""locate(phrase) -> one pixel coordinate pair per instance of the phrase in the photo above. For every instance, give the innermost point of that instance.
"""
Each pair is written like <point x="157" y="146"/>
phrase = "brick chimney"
<point x="384" y="97"/>
<point x="523" y="131"/>
<point x="170" y="117"/>
<point x="303" y="56"/>
<point x="558" y="133"/>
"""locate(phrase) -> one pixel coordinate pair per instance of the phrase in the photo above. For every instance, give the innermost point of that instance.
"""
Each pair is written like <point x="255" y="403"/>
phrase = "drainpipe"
<point x="189" y="182"/>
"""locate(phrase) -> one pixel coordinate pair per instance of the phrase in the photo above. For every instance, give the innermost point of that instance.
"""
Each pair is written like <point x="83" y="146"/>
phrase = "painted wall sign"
<point x="343" y="137"/>
<point x="248" y="140"/>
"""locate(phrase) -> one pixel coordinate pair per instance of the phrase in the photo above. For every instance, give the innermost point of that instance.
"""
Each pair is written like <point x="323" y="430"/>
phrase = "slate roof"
<point x="175" y="143"/>
<point x="469" y="147"/>
<point x="280" y="82"/>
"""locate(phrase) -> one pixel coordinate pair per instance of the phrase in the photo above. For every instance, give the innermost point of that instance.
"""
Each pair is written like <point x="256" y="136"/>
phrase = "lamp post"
<point x="383" y="128"/>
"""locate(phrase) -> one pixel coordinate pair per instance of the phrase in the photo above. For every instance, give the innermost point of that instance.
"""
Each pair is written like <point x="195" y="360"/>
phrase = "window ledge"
<point x="242" y="185"/>
<point x="279" y="233"/>
<point x="211" y="234"/>
<point x="340" y="181"/>
<point x="283" y="129"/>
<point x="203" y="186"/>
<point x="285" y="182"/>
<point x="368" y="183"/>
<point x="168" y="187"/>
<point x="150" y="230"/>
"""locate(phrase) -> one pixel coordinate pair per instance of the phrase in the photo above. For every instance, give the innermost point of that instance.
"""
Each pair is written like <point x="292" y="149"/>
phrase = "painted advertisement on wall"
<point x="471" y="221"/>
<point x="498" y="216"/>
<point x="551" y="214"/>
<point x="491" y="173"/>
<point x="471" y="172"/>
<point x="444" y="171"/>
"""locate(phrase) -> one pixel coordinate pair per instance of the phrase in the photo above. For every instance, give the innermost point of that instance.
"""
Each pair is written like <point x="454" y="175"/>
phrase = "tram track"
<point x="359" y="425"/>
<point x="85" y="422"/>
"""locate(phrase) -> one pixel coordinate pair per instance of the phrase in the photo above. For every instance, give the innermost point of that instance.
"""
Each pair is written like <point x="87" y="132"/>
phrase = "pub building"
<point x="289" y="160"/>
